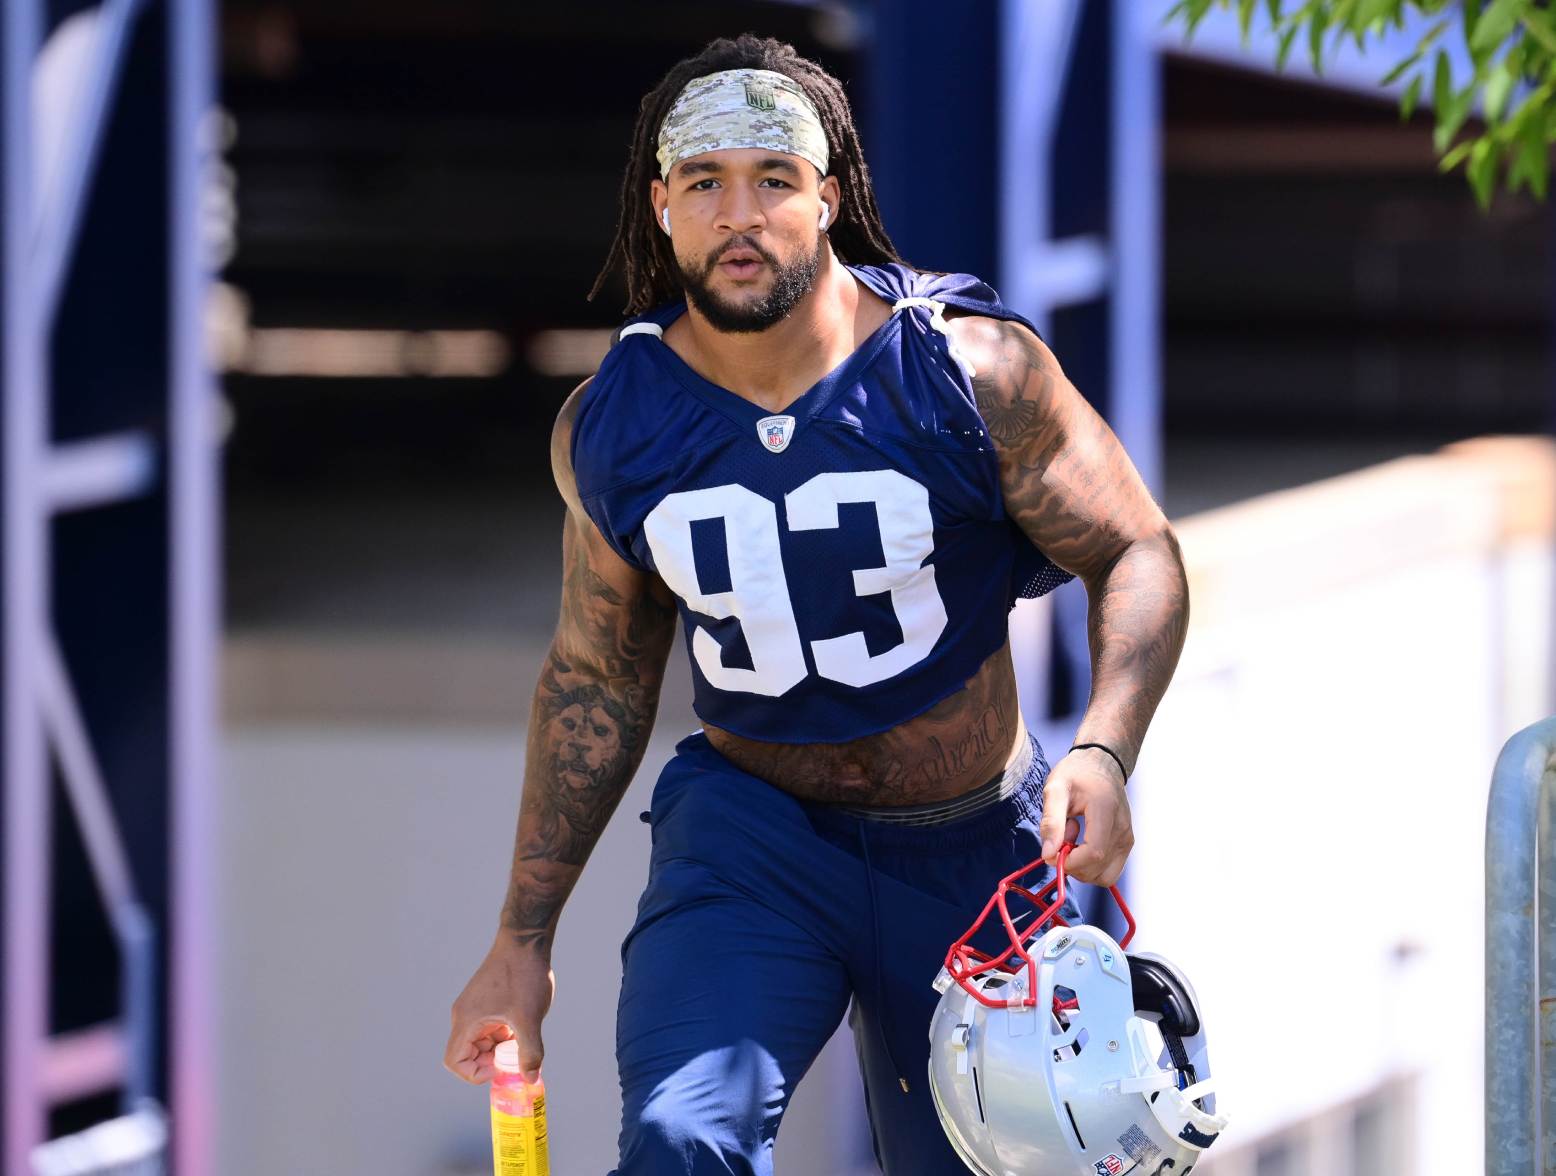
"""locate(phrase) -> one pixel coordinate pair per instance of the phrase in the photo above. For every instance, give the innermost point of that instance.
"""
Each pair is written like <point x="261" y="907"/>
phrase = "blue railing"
<point x="1521" y="929"/>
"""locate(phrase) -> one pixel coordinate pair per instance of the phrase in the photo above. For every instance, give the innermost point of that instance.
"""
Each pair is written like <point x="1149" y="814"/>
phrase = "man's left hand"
<point x="1087" y="783"/>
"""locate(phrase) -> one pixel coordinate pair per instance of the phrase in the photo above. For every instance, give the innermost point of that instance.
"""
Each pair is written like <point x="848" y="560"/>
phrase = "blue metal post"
<point x="103" y="283"/>
<point x="1521" y="956"/>
<point x="929" y="137"/>
<point x="194" y="594"/>
<point x="25" y="857"/>
<point x="1080" y="253"/>
<point x="1135" y="212"/>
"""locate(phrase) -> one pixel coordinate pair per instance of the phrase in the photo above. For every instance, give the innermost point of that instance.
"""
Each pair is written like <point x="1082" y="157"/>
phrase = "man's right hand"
<point x="506" y="998"/>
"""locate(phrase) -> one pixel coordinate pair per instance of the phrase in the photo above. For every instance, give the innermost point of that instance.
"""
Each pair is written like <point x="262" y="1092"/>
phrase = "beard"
<point x="791" y="283"/>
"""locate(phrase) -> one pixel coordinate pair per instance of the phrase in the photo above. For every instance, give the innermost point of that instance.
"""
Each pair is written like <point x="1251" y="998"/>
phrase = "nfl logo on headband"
<point x="760" y="96"/>
<point x="775" y="432"/>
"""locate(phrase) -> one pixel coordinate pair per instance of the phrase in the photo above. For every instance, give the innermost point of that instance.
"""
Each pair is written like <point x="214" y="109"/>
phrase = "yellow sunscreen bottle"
<point x="518" y="1118"/>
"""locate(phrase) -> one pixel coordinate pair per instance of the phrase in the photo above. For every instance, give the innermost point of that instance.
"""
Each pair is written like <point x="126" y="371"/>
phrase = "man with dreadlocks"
<point x="842" y="472"/>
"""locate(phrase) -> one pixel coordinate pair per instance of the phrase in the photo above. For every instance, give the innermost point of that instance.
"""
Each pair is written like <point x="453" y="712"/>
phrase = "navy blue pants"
<point x="763" y="917"/>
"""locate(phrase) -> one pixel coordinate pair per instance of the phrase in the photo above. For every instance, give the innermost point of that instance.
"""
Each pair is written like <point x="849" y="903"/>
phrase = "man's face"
<point x="745" y="234"/>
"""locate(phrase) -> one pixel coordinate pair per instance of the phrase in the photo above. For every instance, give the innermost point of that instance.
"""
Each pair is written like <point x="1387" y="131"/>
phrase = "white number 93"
<point x="758" y="596"/>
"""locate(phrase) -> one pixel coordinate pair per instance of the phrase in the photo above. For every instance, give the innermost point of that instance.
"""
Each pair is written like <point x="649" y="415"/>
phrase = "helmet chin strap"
<point x="1180" y="1058"/>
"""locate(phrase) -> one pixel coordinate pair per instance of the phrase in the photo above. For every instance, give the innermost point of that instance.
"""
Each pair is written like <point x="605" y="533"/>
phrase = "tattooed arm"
<point x="593" y="709"/>
<point x="1072" y="488"/>
<point x="589" y="724"/>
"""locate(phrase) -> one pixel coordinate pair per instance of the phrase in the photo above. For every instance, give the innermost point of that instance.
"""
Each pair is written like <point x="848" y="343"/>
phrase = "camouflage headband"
<point x="742" y="108"/>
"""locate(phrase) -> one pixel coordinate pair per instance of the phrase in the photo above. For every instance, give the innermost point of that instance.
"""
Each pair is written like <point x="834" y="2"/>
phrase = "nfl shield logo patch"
<point x="1109" y="1165"/>
<point x="775" y="432"/>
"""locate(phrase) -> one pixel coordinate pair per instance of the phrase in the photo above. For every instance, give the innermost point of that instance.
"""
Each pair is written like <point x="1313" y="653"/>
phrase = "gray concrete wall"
<point x="362" y="870"/>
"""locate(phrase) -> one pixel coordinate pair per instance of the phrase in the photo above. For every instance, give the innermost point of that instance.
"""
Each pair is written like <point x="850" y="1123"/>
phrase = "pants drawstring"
<point x="880" y="986"/>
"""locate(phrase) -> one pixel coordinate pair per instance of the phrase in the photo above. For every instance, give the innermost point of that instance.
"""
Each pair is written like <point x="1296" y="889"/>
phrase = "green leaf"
<point x="1409" y="99"/>
<point x="1499" y="87"/>
<point x="1517" y="177"/>
<point x="1442" y="84"/>
<point x="1317" y="27"/>
<point x="1343" y="18"/>
<point x="1273" y="7"/>
<point x="1471" y="17"/>
<point x="1451" y="118"/>
<point x="1537" y="23"/>
<point x="1496" y="25"/>
<point x="1464" y="102"/>
<point x="1530" y="159"/>
<point x="1370" y="12"/>
<point x="1482" y="171"/>
<point x="1245" y="16"/>
<point x="1400" y="70"/>
<point x="1283" y="50"/>
<point x="1517" y="55"/>
<point x="1540" y="174"/>
<point x="1431" y="35"/>
<point x="1191" y="12"/>
<point x="1455" y="157"/>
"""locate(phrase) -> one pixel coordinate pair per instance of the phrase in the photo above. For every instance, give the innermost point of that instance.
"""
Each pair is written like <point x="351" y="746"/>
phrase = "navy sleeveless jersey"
<point x="841" y="566"/>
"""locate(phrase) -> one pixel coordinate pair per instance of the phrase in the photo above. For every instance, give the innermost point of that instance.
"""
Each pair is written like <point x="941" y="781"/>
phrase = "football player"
<point x="842" y="473"/>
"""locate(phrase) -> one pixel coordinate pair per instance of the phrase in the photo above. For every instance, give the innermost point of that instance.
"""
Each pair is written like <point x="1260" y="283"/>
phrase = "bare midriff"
<point x="964" y="740"/>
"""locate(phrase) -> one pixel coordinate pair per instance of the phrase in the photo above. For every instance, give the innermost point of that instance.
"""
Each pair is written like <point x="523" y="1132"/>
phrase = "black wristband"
<point x="1109" y="750"/>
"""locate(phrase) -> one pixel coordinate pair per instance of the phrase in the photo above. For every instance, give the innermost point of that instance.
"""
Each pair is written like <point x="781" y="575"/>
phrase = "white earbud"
<point x="826" y="215"/>
<point x="664" y="218"/>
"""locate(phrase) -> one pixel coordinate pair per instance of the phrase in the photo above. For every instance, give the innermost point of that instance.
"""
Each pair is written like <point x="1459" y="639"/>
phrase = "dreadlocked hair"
<point x="645" y="254"/>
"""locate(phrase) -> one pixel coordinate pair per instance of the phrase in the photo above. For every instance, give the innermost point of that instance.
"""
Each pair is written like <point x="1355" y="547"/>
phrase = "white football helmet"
<point x="1063" y="1054"/>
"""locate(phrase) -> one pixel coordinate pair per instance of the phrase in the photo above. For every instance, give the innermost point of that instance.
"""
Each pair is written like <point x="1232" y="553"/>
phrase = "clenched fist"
<point x="1088" y="783"/>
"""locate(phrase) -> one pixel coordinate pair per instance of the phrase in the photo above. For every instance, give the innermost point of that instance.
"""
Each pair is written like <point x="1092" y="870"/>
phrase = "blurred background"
<point x="292" y="294"/>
